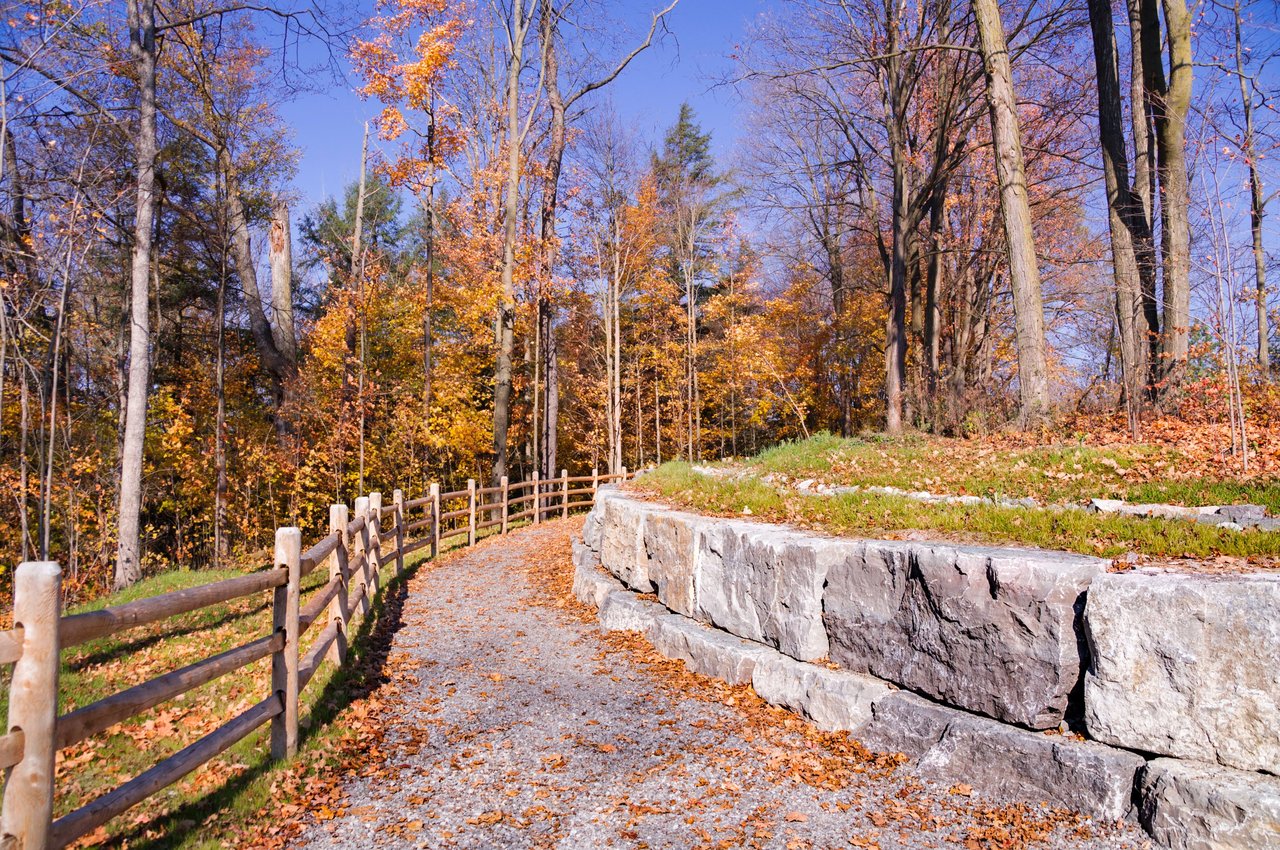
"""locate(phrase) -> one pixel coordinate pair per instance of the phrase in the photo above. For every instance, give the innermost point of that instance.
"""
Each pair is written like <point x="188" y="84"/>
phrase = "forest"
<point x="943" y="217"/>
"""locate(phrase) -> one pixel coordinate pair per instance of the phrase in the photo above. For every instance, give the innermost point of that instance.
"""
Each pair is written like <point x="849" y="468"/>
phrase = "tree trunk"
<point x="1123" y="208"/>
<point x="142" y="49"/>
<point x="221" y="483"/>
<point x="1171" y="101"/>
<point x="547" y="235"/>
<point x="281" y="244"/>
<point x="1257" y="206"/>
<point x="510" y="209"/>
<point x="895" y="349"/>
<point x="1024" y="276"/>
<point x="932" y="343"/>
<point x="274" y="364"/>
<point x="1143" y="14"/>
<point x="896" y="330"/>
<point x="430" y="248"/>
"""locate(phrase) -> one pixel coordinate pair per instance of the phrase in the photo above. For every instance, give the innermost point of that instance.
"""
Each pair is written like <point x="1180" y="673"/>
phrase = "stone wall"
<point x="1025" y="673"/>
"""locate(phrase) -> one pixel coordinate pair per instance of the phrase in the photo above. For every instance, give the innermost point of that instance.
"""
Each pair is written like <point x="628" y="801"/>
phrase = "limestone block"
<point x="1187" y="805"/>
<point x="624" y="611"/>
<point x="1186" y="665"/>
<point x="1243" y="514"/>
<point x="835" y="700"/>
<point x="583" y="557"/>
<point x="706" y="650"/>
<point x="622" y="541"/>
<point x="593" y="525"/>
<point x="764" y="583"/>
<point x="670" y="546"/>
<point x="997" y="759"/>
<point x="989" y="630"/>
<point x="590" y="584"/>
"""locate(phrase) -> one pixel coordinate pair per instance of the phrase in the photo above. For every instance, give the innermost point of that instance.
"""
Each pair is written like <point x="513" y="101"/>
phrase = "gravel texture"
<point x="520" y="724"/>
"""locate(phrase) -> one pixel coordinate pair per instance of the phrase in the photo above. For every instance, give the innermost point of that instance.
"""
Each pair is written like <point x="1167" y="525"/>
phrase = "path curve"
<point x="519" y="724"/>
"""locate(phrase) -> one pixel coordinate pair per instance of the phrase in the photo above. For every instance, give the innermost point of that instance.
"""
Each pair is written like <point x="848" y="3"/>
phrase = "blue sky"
<point x="686" y="65"/>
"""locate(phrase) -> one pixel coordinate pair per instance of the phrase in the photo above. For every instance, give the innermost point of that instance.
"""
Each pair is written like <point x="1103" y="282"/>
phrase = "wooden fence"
<point x="355" y="551"/>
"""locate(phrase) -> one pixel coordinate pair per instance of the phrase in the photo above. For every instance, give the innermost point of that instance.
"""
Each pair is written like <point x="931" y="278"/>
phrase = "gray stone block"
<point x="624" y="611"/>
<point x="670" y="545"/>
<point x="835" y="700"/>
<point x="706" y="650"/>
<point x="952" y="746"/>
<point x="989" y="630"/>
<point x="764" y="583"/>
<point x="622" y="541"/>
<point x="1188" y="805"/>
<point x="1243" y="514"/>
<point x="1186" y="665"/>
<point x="593" y="525"/>
<point x="590" y="583"/>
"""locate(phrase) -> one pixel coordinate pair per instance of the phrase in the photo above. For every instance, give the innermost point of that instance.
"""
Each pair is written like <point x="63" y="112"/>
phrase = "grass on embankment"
<point x="876" y="515"/>
<point x="1068" y="472"/>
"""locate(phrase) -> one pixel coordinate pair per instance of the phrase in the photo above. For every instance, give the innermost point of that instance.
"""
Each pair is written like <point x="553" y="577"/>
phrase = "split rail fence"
<point x="361" y="542"/>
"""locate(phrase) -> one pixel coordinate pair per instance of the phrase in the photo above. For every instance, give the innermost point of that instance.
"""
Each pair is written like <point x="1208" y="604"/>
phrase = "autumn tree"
<point x="693" y="196"/>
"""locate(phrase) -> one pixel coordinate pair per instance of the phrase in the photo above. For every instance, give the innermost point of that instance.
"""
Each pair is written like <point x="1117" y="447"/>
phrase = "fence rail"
<point x="361" y="540"/>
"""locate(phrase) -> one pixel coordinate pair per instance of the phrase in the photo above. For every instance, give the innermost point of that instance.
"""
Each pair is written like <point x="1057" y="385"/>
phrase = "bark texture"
<point x="1015" y="207"/>
<point x="142" y="50"/>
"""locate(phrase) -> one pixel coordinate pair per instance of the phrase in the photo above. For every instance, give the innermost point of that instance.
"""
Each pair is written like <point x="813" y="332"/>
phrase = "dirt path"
<point x="520" y="725"/>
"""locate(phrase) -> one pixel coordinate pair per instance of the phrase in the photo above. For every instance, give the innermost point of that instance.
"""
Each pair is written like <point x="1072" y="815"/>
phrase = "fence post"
<point x="624" y="473"/>
<point x="375" y="541"/>
<point x="537" y="499"/>
<point x="564" y="493"/>
<point x="33" y="704"/>
<point x="435" y="520"/>
<point x="506" y="502"/>
<point x="340" y="570"/>
<point x="471" y="512"/>
<point x="284" y="662"/>
<point x="397" y="499"/>
<point x="360" y="552"/>
<point x="595" y="483"/>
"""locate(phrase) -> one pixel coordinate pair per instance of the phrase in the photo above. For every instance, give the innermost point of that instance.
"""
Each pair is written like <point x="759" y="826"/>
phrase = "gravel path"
<point x="520" y="725"/>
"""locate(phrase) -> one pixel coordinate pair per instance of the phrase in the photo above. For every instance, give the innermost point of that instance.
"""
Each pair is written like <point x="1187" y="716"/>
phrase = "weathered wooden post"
<point x="340" y="571"/>
<point x="375" y="541"/>
<point x="537" y="499"/>
<point x="471" y="512"/>
<point x="506" y="502"/>
<point x="284" y="662"/>
<point x="397" y="499"/>
<point x="564" y="493"/>
<point x="359" y="557"/>
<point x="595" y="483"/>
<point x="624" y="473"/>
<point x="435" y="520"/>
<point x="33" y="704"/>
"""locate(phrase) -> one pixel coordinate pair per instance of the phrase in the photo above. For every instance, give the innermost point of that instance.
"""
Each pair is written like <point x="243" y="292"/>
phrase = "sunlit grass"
<point x="1066" y="472"/>
<point x="879" y="515"/>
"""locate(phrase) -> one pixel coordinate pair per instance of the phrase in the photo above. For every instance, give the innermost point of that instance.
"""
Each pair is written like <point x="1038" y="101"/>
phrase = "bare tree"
<point x="1169" y="99"/>
<point x="142" y="49"/>
<point x="560" y="105"/>
<point x="1024" y="274"/>
<point x="516" y="23"/>
<point x="1124" y="211"/>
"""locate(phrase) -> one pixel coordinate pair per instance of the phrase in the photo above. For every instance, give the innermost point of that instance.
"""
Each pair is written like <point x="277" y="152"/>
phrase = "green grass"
<point x="875" y="515"/>
<point x="1067" y="472"/>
